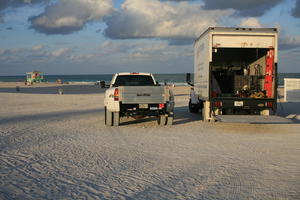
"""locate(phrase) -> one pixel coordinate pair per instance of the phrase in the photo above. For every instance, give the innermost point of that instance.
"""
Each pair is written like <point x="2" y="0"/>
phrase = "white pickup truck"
<point x="137" y="95"/>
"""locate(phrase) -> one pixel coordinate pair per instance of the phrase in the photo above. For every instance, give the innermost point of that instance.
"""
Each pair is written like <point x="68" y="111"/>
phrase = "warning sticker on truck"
<point x="145" y="106"/>
<point x="238" y="103"/>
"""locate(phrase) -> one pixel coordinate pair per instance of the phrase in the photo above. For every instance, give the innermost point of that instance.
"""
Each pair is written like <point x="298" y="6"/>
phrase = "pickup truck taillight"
<point x="161" y="106"/>
<point x="116" y="94"/>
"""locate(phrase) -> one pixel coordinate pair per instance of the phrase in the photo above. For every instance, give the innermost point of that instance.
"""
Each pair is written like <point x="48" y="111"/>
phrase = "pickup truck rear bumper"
<point x="142" y="109"/>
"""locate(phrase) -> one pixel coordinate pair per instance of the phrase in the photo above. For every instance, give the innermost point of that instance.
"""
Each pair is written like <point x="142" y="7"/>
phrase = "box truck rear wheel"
<point x="205" y="111"/>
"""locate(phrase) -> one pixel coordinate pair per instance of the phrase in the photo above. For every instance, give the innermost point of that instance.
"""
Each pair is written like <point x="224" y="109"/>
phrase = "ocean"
<point x="177" y="79"/>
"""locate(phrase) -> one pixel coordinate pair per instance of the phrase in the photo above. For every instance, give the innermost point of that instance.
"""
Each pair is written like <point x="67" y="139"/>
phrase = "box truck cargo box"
<point x="235" y="72"/>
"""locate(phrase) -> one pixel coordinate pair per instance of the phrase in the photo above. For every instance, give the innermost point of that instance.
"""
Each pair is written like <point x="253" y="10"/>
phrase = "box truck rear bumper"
<point x="243" y="103"/>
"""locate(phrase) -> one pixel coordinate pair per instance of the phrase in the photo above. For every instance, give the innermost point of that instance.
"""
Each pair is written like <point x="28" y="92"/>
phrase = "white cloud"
<point x="59" y="52"/>
<point x="66" y="16"/>
<point x="156" y="19"/>
<point x="37" y="47"/>
<point x="250" y="22"/>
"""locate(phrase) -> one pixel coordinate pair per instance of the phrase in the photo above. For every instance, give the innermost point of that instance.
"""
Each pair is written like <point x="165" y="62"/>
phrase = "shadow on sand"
<point x="182" y="116"/>
<point x="67" y="89"/>
<point x="50" y="115"/>
<point x="290" y="110"/>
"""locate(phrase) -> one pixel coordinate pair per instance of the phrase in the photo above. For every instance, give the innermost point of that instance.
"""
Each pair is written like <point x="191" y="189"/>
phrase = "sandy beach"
<point x="57" y="147"/>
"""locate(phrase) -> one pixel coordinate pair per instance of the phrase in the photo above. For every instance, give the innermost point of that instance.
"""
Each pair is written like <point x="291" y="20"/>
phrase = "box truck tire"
<point x="206" y="111"/>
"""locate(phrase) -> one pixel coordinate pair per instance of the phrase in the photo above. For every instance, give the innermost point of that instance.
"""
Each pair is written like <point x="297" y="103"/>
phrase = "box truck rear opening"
<point x="240" y="74"/>
<point x="236" y="77"/>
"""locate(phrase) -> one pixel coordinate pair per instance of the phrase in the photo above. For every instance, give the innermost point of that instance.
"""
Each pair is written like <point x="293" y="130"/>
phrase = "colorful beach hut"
<point x="34" y="77"/>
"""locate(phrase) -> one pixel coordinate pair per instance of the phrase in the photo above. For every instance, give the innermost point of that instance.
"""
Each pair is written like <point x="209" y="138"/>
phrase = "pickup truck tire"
<point x="108" y="117"/>
<point x="193" y="108"/>
<point x="170" y="119"/>
<point x="162" y="120"/>
<point x="116" y="118"/>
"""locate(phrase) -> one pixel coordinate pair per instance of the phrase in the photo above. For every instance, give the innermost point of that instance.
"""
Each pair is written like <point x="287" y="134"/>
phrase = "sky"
<point x="109" y="36"/>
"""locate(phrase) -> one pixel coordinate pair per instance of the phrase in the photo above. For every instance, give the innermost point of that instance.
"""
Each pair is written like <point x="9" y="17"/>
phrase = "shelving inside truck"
<point x="239" y="72"/>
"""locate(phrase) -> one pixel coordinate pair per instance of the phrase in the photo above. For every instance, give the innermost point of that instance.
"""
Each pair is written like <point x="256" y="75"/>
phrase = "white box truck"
<point x="235" y="72"/>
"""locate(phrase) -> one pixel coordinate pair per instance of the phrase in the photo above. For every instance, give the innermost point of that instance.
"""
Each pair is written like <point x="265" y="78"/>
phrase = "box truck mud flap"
<point x="253" y="119"/>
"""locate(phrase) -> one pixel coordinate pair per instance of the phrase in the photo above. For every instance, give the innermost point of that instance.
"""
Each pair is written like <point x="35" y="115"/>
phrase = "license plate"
<point x="143" y="106"/>
<point x="153" y="108"/>
<point x="238" y="103"/>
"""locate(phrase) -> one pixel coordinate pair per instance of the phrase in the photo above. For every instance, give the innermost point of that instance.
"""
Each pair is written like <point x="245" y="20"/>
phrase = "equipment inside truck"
<point x="243" y="72"/>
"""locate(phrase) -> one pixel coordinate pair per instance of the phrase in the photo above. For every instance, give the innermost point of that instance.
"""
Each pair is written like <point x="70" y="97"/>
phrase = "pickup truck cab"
<point x="137" y="95"/>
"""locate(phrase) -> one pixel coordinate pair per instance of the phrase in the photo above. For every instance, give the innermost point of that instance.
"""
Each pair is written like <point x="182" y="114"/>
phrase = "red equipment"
<point x="269" y="76"/>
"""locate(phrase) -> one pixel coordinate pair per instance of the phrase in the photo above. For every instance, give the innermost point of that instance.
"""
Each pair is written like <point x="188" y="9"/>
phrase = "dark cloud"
<point x="4" y="4"/>
<point x="9" y="28"/>
<point x="296" y="11"/>
<point x="289" y="42"/>
<point x="182" y="41"/>
<point x="243" y="7"/>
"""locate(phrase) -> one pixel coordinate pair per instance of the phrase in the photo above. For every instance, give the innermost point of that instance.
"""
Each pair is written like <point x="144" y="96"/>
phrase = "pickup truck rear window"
<point x="134" y="80"/>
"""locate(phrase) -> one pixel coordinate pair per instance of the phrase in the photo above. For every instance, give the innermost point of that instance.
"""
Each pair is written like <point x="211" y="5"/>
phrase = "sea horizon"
<point x="160" y="77"/>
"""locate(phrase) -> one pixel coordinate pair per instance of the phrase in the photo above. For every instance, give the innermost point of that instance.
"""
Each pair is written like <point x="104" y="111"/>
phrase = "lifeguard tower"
<point x="34" y="77"/>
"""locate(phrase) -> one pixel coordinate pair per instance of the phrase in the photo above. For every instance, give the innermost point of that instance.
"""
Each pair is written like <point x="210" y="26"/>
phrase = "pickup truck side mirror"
<point x="188" y="79"/>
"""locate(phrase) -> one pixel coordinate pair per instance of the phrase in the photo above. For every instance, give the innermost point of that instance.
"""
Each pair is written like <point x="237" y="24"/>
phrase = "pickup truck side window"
<point x="133" y="80"/>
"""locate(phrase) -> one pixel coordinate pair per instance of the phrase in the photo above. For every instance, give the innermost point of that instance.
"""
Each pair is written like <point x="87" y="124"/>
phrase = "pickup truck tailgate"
<point x="144" y="94"/>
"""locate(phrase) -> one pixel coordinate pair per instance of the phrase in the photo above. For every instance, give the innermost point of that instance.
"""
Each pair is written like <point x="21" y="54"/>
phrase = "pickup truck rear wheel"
<point x="108" y="117"/>
<point x="162" y="120"/>
<point x="116" y="118"/>
<point x="170" y="119"/>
